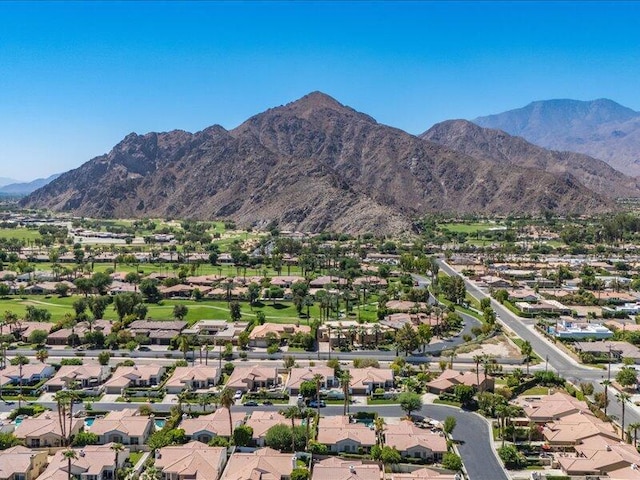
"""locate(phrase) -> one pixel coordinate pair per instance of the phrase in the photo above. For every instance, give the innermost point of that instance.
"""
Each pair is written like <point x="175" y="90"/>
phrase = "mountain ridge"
<point x="312" y="164"/>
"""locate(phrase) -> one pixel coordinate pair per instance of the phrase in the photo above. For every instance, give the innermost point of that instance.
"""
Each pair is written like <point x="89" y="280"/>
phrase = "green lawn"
<point x="447" y="402"/>
<point x="134" y="457"/>
<point x="536" y="391"/>
<point x="26" y="234"/>
<point x="469" y="227"/>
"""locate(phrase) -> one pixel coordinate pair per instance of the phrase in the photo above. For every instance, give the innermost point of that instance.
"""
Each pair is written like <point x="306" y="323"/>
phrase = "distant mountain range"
<point x="315" y="164"/>
<point x="6" y="181"/>
<point x="25" y="188"/>
<point x="600" y="128"/>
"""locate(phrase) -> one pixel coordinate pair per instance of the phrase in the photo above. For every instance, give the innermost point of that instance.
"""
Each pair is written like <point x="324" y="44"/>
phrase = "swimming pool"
<point x="89" y="421"/>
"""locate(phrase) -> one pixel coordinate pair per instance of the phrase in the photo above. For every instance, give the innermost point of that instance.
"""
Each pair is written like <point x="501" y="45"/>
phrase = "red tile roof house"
<point x="412" y="441"/>
<point x="159" y="332"/>
<point x="61" y="337"/>
<point x="252" y="378"/>
<point x="216" y="424"/>
<point x="364" y="381"/>
<point x="193" y="461"/>
<point x="263" y="464"/>
<point x="92" y="462"/>
<point x="197" y="377"/>
<point x="44" y="431"/>
<point x="600" y="456"/>
<point x="259" y="336"/>
<point x="548" y="408"/>
<point x="448" y="379"/>
<point x="126" y="427"/>
<point x="304" y="374"/>
<point x="32" y="373"/>
<point x="426" y="474"/>
<point x="85" y="376"/>
<point x="21" y="463"/>
<point x="340" y="435"/>
<point x="261" y="422"/>
<point x="136" y="376"/>
<point x="334" y="468"/>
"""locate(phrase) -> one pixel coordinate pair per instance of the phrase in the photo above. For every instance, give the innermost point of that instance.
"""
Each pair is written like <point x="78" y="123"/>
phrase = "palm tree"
<point x="633" y="427"/>
<point x="117" y="448"/>
<point x="623" y="398"/>
<point x="452" y="355"/>
<point x="606" y="384"/>
<point x="292" y="413"/>
<point x="345" y="381"/>
<point x="184" y="344"/>
<point x="318" y="379"/>
<point x="42" y="355"/>
<point x="526" y="350"/>
<point x="377" y="329"/>
<point x="379" y="428"/>
<point x="227" y="401"/>
<point x="20" y="360"/>
<point x="478" y="360"/>
<point x="69" y="454"/>
<point x="62" y="399"/>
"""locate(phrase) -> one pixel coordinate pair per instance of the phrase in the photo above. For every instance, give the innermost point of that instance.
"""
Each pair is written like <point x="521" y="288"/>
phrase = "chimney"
<point x="294" y="462"/>
<point x="352" y="469"/>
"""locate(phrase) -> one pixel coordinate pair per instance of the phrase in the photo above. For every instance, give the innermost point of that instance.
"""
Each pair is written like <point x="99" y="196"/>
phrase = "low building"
<point x="335" y="468"/>
<point x="543" y="307"/>
<point x="600" y="456"/>
<point x="609" y="349"/>
<point x="251" y="378"/>
<point x="447" y="381"/>
<point x="549" y="408"/>
<point x="31" y="374"/>
<point x="306" y="374"/>
<point x="216" y="424"/>
<point x="261" y="335"/>
<point x="45" y="431"/>
<point x="126" y="427"/>
<point x="426" y="474"/>
<point x="21" y="463"/>
<point x="261" y="422"/>
<point x="569" y="330"/>
<point x="339" y="434"/>
<point x="92" y="462"/>
<point x="197" y="377"/>
<point x="217" y="332"/>
<point x="573" y="429"/>
<point x="159" y="332"/>
<point x="365" y="381"/>
<point x="263" y="464"/>
<point x="193" y="461"/>
<point x="136" y="376"/>
<point x="83" y="376"/>
<point x="415" y="442"/>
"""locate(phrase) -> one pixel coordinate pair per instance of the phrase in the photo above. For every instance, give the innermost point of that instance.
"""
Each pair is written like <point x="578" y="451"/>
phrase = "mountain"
<point x="25" y="188"/>
<point x="6" y="181"/>
<point x="602" y="129"/>
<point x="312" y="165"/>
<point x="502" y="148"/>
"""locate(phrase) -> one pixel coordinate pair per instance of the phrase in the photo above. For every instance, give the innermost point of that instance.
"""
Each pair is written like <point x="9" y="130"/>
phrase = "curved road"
<point x="566" y="367"/>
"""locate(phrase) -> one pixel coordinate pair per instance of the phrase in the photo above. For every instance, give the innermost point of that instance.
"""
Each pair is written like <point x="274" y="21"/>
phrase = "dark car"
<point x="251" y="403"/>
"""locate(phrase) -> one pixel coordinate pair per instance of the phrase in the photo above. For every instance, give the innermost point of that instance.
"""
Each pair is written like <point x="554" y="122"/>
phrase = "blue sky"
<point x="77" y="77"/>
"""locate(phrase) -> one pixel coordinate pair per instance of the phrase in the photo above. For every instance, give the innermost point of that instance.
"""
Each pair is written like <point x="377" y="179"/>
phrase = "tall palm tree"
<point x="345" y="382"/>
<point x="70" y="455"/>
<point x="633" y="427"/>
<point x="318" y="379"/>
<point x="606" y="384"/>
<point x="117" y="448"/>
<point x="62" y="400"/>
<point x="526" y="350"/>
<point x="42" y="355"/>
<point x="623" y="398"/>
<point x="478" y="360"/>
<point x="20" y="360"/>
<point x="292" y="413"/>
<point x="379" y="428"/>
<point x="227" y="401"/>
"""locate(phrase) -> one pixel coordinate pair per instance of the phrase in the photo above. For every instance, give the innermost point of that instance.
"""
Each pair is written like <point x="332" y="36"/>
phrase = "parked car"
<point x="251" y="403"/>
<point x="238" y="395"/>
<point x="314" y="404"/>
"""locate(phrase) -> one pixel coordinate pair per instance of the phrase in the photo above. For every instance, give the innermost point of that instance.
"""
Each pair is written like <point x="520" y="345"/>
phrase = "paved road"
<point x="567" y="368"/>
<point x="471" y="432"/>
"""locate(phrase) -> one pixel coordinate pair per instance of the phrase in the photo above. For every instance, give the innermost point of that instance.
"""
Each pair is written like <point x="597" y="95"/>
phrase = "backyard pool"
<point x="160" y="423"/>
<point x="89" y="421"/>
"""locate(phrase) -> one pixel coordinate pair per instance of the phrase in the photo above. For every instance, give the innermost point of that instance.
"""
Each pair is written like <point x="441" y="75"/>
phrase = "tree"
<point x="605" y="400"/>
<point x="279" y="438"/>
<point x="511" y="457"/>
<point x="103" y="358"/>
<point x="410" y="402"/>
<point x="406" y="339"/>
<point x="623" y="398"/>
<point x="234" y="311"/>
<point x="291" y="413"/>
<point x="308" y="389"/>
<point x="633" y="427"/>
<point x="451" y="461"/>
<point x="227" y="401"/>
<point x="345" y="382"/>
<point x="38" y="337"/>
<point x="85" y="438"/>
<point x="20" y="361"/>
<point x="180" y="311"/>
<point x="449" y="424"/>
<point x="242" y="435"/>
<point x="299" y="474"/>
<point x="424" y="335"/>
<point x="389" y="455"/>
<point x="8" y="440"/>
<point x="627" y="376"/>
<point x="42" y="355"/>
<point x="464" y="393"/>
<point x="70" y="455"/>
<point x="253" y="293"/>
<point x="526" y="349"/>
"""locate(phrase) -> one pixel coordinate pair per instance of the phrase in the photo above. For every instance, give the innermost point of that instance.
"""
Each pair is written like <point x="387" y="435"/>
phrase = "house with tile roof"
<point x="339" y="434"/>
<point x="193" y="461"/>
<point x="261" y="422"/>
<point x="126" y="427"/>
<point x="45" y="431"/>
<point x="205" y="427"/>
<point x="192" y="378"/>
<point x="335" y="468"/>
<point x="22" y="463"/>
<point x="92" y="462"/>
<point x="263" y="464"/>
<point x="415" y="442"/>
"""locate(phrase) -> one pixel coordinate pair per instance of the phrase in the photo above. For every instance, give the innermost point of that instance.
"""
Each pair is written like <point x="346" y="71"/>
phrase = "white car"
<point x="238" y="395"/>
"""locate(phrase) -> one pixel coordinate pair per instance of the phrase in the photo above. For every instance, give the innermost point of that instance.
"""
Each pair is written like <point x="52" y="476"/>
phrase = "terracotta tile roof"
<point x="194" y="460"/>
<point x="263" y="464"/>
